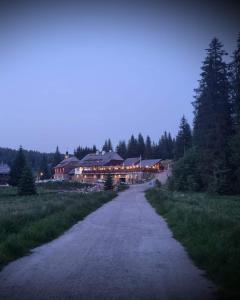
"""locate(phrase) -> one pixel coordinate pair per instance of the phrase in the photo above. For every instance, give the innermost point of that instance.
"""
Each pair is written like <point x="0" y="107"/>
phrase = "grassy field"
<point x="209" y="228"/>
<point x="26" y="222"/>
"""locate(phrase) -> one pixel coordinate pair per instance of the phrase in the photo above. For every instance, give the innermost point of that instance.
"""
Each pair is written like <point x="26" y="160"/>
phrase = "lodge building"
<point x="94" y="167"/>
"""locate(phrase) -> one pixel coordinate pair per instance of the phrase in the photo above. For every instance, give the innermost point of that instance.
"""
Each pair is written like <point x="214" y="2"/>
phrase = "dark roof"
<point x="4" y="169"/>
<point x="101" y="159"/>
<point x="131" y="161"/>
<point x="149" y="162"/>
<point x="67" y="161"/>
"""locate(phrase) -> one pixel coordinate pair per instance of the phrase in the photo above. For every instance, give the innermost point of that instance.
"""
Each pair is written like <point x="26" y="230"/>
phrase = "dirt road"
<point x="124" y="250"/>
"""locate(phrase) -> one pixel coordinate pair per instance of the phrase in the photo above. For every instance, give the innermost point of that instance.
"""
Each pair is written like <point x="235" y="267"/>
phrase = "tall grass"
<point x="209" y="228"/>
<point x="26" y="222"/>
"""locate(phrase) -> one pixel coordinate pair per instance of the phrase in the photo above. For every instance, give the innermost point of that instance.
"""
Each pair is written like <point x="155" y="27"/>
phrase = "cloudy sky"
<point x="75" y="74"/>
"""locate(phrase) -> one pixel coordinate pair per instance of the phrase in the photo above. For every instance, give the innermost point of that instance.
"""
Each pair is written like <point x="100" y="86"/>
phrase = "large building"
<point x="94" y="168"/>
<point x="4" y="174"/>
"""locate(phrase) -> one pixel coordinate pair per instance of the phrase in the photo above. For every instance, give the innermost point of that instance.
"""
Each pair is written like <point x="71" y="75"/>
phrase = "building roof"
<point x="149" y="162"/>
<point x="101" y="159"/>
<point x="67" y="161"/>
<point x="131" y="161"/>
<point x="4" y="168"/>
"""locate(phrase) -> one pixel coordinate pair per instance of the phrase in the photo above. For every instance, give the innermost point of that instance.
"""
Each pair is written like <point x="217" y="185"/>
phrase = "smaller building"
<point x="63" y="171"/>
<point x="4" y="174"/>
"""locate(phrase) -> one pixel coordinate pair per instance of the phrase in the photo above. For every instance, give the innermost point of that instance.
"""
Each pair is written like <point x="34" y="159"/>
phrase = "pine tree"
<point x="121" y="149"/>
<point x="183" y="139"/>
<point x="148" y="148"/>
<point x="110" y="147"/>
<point x="235" y="85"/>
<point x="44" y="169"/>
<point x="108" y="185"/>
<point x="57" y="158"/>
<point x="212" y="122"/>
<point x="235" y="101"/>
<point x="107" y="146"/>
<point x="132" y="150"/>
<point x="17" y="167"/>
<point x="26" y="184"/>
<point x="170" y="146"/>
<point x="141" y="146"/>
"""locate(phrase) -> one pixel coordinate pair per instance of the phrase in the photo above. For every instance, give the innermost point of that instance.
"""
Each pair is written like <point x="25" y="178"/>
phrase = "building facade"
<point x="94" y="167"/>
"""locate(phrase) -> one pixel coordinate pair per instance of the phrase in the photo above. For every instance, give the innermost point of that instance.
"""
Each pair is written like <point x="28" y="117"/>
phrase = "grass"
<point x="26" y="222"/>
<point x="62" y="185"/>
<point x="209" y="228"/>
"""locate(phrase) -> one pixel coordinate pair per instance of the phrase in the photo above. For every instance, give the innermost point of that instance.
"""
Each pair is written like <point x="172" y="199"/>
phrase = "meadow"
<point x="209" y="228"/>
<point x="28" y="221"/>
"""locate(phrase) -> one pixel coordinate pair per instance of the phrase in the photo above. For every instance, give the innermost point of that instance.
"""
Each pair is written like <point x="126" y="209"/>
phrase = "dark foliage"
<point x="107" y="146"/>
<point x="57" y="157"/>
<point x="212" y="123"/>
<point x="44" y="171"/>
<point x="17" y="168"/>
<point x="26" y="185"/>
<point x="183" y="139"/>
<point x="108" y="185"/>
<point x="80" y="152"/>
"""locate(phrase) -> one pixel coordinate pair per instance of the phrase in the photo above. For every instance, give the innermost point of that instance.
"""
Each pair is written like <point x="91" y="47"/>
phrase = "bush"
<point x="186" y="174"/>
<point x="108" y="185"/>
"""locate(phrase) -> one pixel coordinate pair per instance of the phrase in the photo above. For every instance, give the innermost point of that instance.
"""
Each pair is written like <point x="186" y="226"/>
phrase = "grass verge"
<point x="209" y="228"/>
<point x="26" y="222"/>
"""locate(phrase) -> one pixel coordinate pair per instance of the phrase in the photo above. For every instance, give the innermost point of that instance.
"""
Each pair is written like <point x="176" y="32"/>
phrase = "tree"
<point x="186" y="173"/>
<point x="26" y="184"/>
<point x="183" y="139"/>
<point x="140" y="145"/>
<point x="235" y="85"/>
<point x="107" y="146"/>
<point x="121" y="149"/>
<point x="148" y="148"/>
<point x="132" y="150"/>
<point x="108" y="185"/>
<point x="44" y="169"/>
<point x="165" y="146"/>
<point x="57" y="158"/>
<point x="212" y="119"/>
<point x="17" y="167"/>
<point x="235" y="101"/>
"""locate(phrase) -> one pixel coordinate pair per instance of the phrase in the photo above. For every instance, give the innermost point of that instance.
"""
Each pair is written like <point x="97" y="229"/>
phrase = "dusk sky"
<point x="77" y="75"/>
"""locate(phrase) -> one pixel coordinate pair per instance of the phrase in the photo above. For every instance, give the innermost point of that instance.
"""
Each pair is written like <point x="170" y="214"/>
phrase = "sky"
<point x="78" y="74"/>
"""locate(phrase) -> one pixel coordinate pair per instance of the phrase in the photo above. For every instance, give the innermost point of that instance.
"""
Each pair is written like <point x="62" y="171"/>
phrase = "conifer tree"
<point x="235" y="86"/>
<point x="108" y="185"/>
<point x="183" y="139"/>
<point x="26" y="184"/>
<point x="141" y="145"/>
<point x="17" y="167"/>
<point x="148" y="148"/>
<point x="212" y="122"/>
<point x="235" y="101"/>
<point x="107" y="146"/>
<point x="132" y="150"/>
<point x="57" y="158"/>
<point x="121" y="149"/>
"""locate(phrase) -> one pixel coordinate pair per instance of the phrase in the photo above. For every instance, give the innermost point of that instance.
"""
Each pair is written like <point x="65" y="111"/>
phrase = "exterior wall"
<point x="129" y="178"/>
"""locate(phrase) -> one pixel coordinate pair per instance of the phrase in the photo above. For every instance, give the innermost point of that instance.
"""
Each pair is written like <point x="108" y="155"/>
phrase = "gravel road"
<point x="124" y="250"/>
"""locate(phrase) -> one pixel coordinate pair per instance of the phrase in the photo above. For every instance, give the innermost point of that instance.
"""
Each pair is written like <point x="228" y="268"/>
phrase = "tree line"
<point x="210" y="161"/>
<point x="136" y="147"/>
